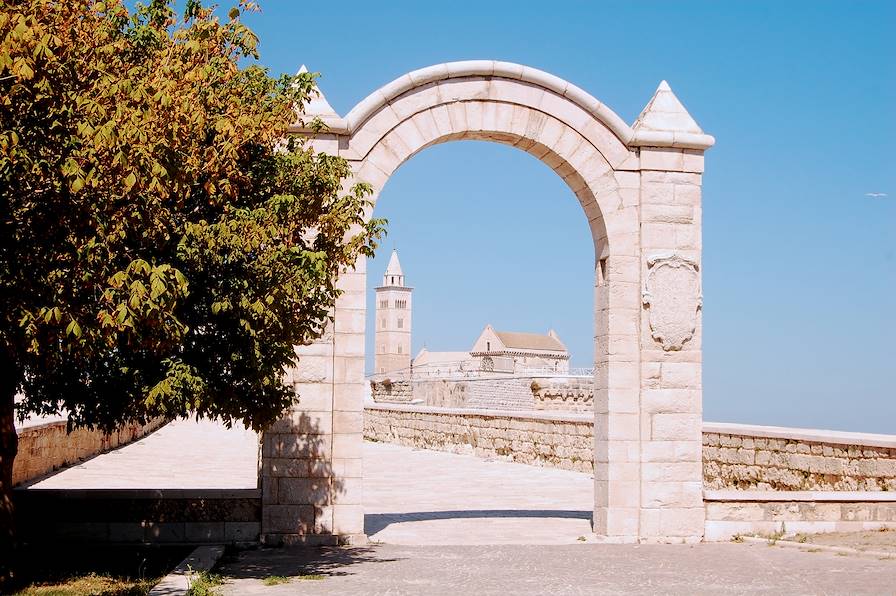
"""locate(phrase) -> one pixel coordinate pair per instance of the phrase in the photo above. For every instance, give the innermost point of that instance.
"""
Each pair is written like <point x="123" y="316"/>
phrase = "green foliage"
<point x="204" y="584"/>
<point x="91" y="585"/>
<point x="275" y="580"/>
<point x="164" y="245"/>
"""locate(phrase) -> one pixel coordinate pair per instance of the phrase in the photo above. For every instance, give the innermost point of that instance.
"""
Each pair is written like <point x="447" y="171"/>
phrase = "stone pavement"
<point x="723" y="568"/>
<point x="415" y="496"/>
<point x="182" y="454"/>
<point x="411" y="496"/>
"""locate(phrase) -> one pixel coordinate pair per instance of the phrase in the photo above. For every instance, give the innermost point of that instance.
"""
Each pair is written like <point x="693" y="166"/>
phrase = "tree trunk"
<point x="9" y="444"/>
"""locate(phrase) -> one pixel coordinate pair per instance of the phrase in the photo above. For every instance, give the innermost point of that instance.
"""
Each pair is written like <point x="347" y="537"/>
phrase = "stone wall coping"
<point x="723" y="428"/>
<point x="846" y="496"/>
<point x="508" y="70"/>
<point x="34" y="424"/>
<point x="482" y="413"/>
<point x="143" y="493"/>
<point x="801" y="434"/>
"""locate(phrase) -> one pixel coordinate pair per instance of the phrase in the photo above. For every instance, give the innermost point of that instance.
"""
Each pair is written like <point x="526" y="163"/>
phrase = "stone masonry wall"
<point x="797" y="460"/>
<point x="539" y="439"/>
<point x="513" y="393"/>
<point x="46" y="447"/>
<point x="740" y="457"/>
<point x="393" y="392"/>
<point x="563" y="393"/>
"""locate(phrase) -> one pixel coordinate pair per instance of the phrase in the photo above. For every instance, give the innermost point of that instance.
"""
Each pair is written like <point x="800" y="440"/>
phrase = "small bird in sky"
<point x="876" y="195"/>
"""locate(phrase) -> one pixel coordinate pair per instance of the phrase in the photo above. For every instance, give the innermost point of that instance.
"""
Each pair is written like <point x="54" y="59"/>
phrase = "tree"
<point x="164" y="244"/>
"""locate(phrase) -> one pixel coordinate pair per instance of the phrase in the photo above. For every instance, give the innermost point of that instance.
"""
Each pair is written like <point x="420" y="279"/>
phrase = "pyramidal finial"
<point x="664" y="113"/>
<point x="317" y="106"/>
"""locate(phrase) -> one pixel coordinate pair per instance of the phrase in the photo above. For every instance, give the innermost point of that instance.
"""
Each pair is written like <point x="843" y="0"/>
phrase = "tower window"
<point x="383" y="323"/>
<point x="399" y="348"/>
<point x="488" y="346"/>
<point x="400" y="323"/>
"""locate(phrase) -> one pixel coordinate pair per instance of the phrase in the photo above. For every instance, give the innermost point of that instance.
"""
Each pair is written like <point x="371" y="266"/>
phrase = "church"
<point x="499" y="352"/>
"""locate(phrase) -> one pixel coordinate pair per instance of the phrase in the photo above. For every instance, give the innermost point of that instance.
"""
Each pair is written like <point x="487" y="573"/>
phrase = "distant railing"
<point x="470" y="369"/>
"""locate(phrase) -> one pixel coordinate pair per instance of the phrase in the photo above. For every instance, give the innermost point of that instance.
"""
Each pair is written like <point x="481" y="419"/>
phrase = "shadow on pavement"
<point x="376" y="522"/>
<point x="299" y="561"/>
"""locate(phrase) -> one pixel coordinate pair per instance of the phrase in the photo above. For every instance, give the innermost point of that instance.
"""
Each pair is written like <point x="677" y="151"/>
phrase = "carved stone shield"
<point x="672" y="294"/>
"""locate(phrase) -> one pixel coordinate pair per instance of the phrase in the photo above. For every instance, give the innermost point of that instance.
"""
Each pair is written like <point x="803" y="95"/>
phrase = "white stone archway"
<point x="639" y="188"/>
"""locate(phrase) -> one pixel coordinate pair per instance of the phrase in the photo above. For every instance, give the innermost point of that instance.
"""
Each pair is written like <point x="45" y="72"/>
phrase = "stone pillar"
<point x="671" y="383"/>
<point x="296" y="471"/>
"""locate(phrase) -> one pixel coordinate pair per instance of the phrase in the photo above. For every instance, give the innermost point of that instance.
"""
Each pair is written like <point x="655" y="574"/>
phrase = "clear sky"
<point x="799" y="284"/>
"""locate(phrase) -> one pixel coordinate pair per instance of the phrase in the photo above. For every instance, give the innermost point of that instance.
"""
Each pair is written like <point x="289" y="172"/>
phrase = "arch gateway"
<point x="639" y="188"/>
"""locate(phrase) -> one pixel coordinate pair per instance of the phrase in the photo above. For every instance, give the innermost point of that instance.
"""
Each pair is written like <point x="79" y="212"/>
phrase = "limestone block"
<point x="277" y="519"/>
<point x="672" y="451"/>
<point x="347" y="445"/>
<point x="348" y="519"/>
<point x="692" y="160"/>
<point x="686" y="195"/>
<point x="662" y="159"/>
<point x="676" y="427"/>
<point x="682" y="374"/>
<point x="682" y="522"/>
<point x="416" y="100"/>
<point x="314" y="396"/>
<point x="662" y="494"/>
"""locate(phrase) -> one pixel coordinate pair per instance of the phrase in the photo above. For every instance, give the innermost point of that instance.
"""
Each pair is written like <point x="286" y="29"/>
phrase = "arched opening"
<point x="500" y="242"/>
<point x="639" y="189"/>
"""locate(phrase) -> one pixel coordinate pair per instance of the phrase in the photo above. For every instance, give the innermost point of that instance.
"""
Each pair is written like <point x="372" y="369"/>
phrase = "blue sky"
<point x="799" y="263"/>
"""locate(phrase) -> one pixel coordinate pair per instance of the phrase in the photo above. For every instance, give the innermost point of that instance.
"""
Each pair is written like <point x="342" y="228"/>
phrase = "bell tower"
<point x="392" y="349"/>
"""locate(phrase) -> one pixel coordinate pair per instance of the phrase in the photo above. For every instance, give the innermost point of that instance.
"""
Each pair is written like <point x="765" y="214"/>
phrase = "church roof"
<point x="530" y="341"/>
<point x="394" y="267"/>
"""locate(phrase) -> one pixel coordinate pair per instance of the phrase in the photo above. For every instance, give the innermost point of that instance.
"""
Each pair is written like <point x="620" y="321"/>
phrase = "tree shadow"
<point x="299" y="486"/>
<point x="376" y="522"/>
<point x="299" y="561"/>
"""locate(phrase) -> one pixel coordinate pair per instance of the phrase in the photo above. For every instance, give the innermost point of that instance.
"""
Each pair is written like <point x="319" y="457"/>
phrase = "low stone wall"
<point x="791" y="459"/>
<point x="46" y="447"/>
<point x="139" y="516"/>
<point x="490" y="392"/>
<point x="391" y="392"/>
<point x="568" y="394"/>
<point x="511" y="393"/>
<point x="732" y="512"/>
<point x="735" y="456"/>
<point x="537" y="438"/>
<point x="758" y="479"/>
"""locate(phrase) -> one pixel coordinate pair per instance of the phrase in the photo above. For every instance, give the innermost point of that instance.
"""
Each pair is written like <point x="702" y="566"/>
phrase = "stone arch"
<point x="639" y="189"/>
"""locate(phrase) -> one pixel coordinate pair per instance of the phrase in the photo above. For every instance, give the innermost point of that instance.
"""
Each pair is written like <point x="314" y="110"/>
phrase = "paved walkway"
<point x="411" y="496"/>
<point x="414" y="496"/>
<point x="501" y="529"/>
<point x="724" y="568"/>
<point x="182" y="454"/>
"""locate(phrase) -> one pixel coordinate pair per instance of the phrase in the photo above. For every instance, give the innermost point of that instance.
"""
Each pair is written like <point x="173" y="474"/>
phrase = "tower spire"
<point x="394" y="276"/>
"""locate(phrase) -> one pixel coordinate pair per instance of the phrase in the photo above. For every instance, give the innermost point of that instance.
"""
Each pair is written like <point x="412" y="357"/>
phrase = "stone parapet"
<point x="748" y="457"/>
<point x="48" y="446"/>
<point x="733" y="512"/>
<point x="735" y="456"/>
<point x="139" y="516"/>
<point x="538" y="438"/>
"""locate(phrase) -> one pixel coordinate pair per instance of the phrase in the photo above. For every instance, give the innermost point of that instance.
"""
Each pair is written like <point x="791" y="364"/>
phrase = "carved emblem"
<point x="673" y="295"/>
